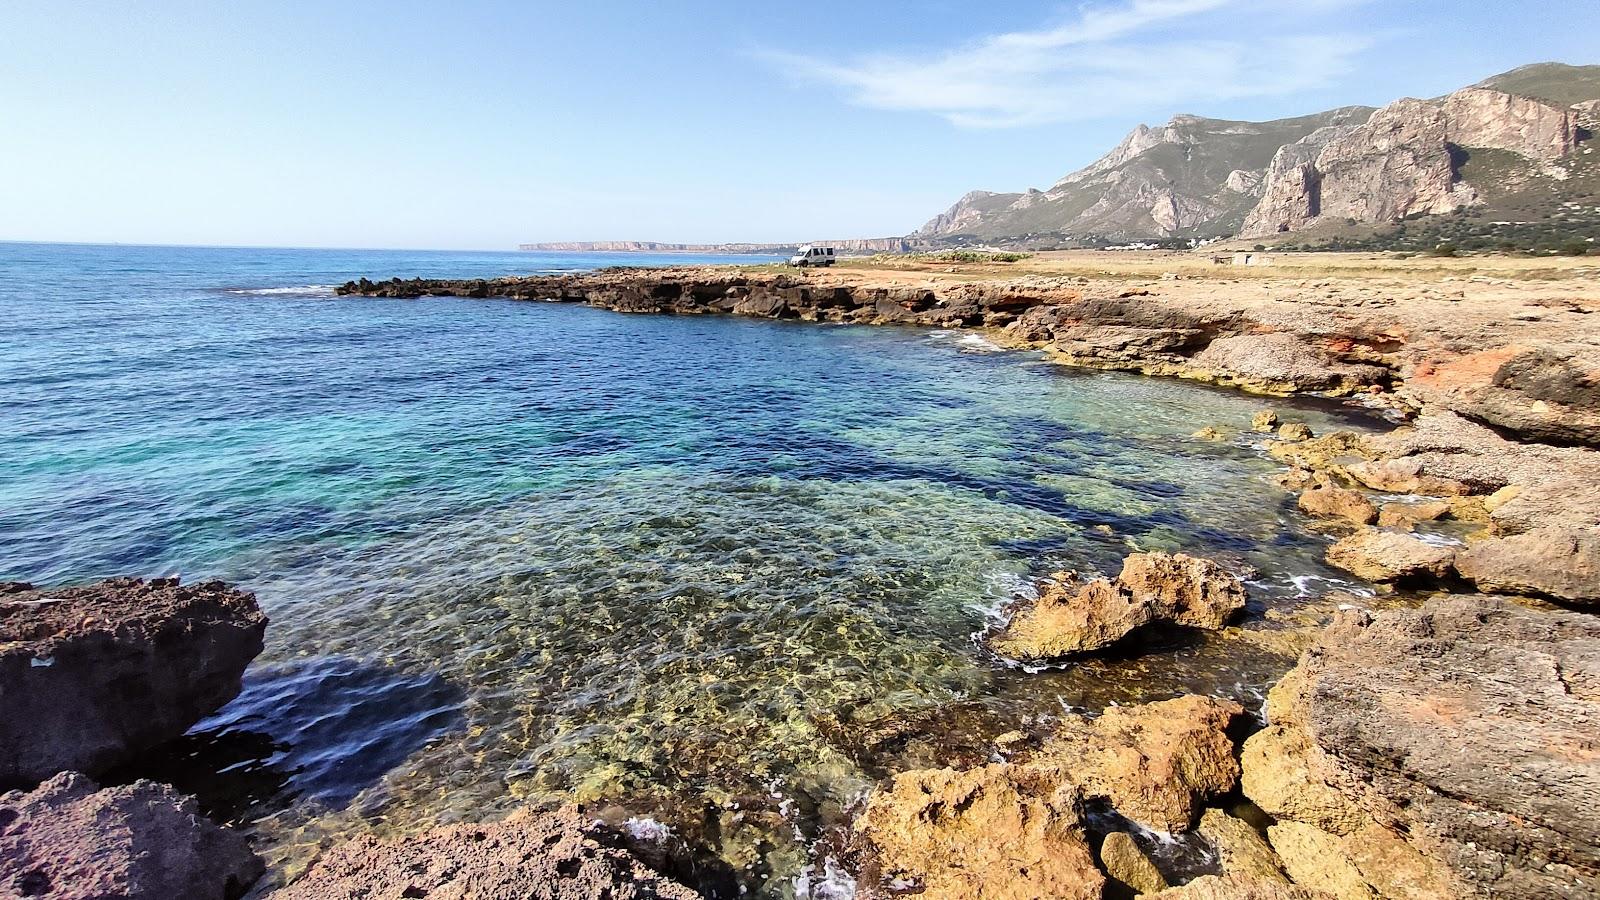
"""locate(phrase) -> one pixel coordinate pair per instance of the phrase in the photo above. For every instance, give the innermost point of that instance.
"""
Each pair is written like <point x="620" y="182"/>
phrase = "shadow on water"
<point x="322" y="730"/>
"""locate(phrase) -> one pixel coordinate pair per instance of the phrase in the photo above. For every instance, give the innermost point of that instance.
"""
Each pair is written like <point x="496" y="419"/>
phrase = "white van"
<point x="812" y="256"/>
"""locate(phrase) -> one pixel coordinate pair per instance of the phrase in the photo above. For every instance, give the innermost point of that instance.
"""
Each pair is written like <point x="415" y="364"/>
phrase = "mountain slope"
<point x="1200" y="177"/>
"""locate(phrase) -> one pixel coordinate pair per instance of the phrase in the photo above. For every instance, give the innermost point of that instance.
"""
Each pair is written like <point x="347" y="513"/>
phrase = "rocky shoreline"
<point x="1443" y="748"/>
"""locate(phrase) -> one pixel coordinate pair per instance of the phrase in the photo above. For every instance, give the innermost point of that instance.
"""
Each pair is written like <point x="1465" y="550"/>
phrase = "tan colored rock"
<point x="1295" y="431"/>
<point x="1329" y="501"/>
<point x="1126" y="863"/>
<point x="1264" y="421"/>
<point x="1240" y="848"/>
<point x="1209" y="433"/>
<point x="1070" y="616"/>
<point x="1238" y="887"/>
<point x="998" y="833"/>
<point x="1157" y="763"/>
<point x="1555" y="561"/>
<point x="1330" y="454"/>
<point x="1184" y="590"/>
<point x="1388" y="556"/>
<point x="1277" y="775"/>
<point x="1405" y="516"/>
<point x="1315" y="859"/>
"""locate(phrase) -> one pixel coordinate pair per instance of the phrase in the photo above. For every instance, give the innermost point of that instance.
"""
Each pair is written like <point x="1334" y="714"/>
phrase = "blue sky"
<point x="482" y="124"/>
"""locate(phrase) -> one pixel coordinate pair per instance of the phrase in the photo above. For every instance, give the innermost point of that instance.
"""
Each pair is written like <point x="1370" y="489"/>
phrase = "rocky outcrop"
<point x="1157" y="763"/>
<point x="1390" y="556"/>
<point x="1556" y="561"/>
<point x="1126" y="864"/>
<point x="561" y="855"/>
<point x="90" y="676"/>
<point x="1237" y="887"/>
<point x="1440" y="752"/>
<point x="1280" y="363"/>
<point x="1000" y="832"/>
<point x="1329" y="501"/>
<point x="1536" y="392"/>
<point x="69" y="838"/>
<point x="1072" y="616"/>
<point x="1241" y="850"/>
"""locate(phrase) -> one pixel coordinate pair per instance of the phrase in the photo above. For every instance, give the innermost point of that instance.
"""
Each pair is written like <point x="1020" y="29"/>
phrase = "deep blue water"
<point x="520" y="550"/>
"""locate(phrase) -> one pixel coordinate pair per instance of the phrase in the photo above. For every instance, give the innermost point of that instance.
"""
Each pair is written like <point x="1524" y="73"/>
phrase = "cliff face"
<point x="1190" y="176"/>
<point x="1206" y="177"/>
<point x="1403" y="160"/>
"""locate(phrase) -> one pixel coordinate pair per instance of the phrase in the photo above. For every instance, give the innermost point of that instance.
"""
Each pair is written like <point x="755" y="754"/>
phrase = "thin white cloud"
<point x="1108" y="60"/>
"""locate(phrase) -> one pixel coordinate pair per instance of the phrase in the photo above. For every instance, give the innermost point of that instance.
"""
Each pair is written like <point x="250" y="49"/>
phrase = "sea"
<point x="716" y="575"/>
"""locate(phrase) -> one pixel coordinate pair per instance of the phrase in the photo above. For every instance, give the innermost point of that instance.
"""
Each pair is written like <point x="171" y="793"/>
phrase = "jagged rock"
<point x="1389" y="556"/>
<point x="70" y="838"/>
<point x="1463" y="731"/>
<point x="1315" y="860"/>
<point x="1556" y="561"/>
<point x="1157" y="763"/>
<point x="1536" y="392"/>
<point x="559" y="855"/>
<point x="1265" y="420"/>
<point x="1241" y="850"/>
<point x="1280" y="363"/>
<point x="1294" y="431"/>
<point x="1329" y="501"/>
<point x="1071" y="616"/>
<point x="1209" y="433"/>
<point x="1565" y="501"/>
<point x="1406" y="515"/>
<point x="1126" y="863"/>
<point x="91" y="676"/>
<point x="999" y="832"/>
<point x="1237" y="887"/>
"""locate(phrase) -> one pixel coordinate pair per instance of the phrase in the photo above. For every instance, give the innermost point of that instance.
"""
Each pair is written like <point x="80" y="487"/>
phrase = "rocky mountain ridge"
<point x="1198" y="177"/>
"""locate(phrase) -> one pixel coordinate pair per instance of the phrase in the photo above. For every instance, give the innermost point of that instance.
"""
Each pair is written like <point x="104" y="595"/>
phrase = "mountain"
<point x="1198" y="177"/>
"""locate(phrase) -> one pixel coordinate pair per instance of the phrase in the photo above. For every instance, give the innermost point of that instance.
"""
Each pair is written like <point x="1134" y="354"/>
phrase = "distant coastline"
<point x="850" y="245"/>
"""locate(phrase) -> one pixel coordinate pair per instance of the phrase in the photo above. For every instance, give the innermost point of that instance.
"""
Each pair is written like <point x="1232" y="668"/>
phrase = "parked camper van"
<point x="812" y="256"/>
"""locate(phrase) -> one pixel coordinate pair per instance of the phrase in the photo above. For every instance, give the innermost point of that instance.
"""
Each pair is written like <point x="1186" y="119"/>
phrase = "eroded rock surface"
<point x="538" y="856"/>
<point x="1072" y="616"/>
<point x="1390" y="556"/>
<point x="1463" y="732"/>
<point x="1000" y="832"/>
<point x="69" y="838"/>
<point x="1555" y="561"/>
<point x="92" y="675"/>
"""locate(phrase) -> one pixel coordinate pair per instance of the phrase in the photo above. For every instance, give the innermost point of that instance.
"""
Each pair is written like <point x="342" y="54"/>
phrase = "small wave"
<point x="967" y="341"/>
<point x="832" y="883"/>
<point x="297" y="289"/>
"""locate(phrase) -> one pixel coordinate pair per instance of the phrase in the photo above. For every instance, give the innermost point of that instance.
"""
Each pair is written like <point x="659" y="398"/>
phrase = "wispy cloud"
<point x="1109" y="59"/>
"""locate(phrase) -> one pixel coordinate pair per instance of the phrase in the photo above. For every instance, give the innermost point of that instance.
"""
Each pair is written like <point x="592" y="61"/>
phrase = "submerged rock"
<point x="1390" y="556"/>
<point x="1071" y="616"/>
<point x="559" y="855"/>
<point x="1000" y="832"/>
<point x="1555" y="561"/>
<point x="1448" y="751"/>
<point x="70" y="838"/>
<point x="92" y="675"/>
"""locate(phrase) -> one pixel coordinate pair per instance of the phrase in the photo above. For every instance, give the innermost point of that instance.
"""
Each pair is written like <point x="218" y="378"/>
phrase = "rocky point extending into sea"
<point x="1436" y="741"/>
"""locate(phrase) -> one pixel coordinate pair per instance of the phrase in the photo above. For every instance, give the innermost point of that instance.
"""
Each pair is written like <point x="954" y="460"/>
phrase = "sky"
<point x="480" y="124"/>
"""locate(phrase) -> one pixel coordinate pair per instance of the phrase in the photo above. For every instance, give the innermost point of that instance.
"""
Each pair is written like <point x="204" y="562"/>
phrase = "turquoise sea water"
<point x="718" y="571"/>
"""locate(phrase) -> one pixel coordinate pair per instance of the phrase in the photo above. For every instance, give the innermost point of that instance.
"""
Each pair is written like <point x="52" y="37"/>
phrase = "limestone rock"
<point x="1071" y="616"/>
<point x="1295" y="431"/>
<point x="548" y="856"/>
<point x="1315" y="860"/>
<point x="1265" y="420"/>
<point x="1569" y="501"/>
<point x="91" y="676"/>
<point x="1280" y="363"/>
<point x="1406" y="515"/>
<point x="1240" y="848"/>
<point x="144" y="841"/>
<point x="1388" y="556"/>
<point x="1535" y="392"/>
<point x="1000" y="833"/>
<point x="1126" y="863"/>
<point x="1554" y="561"/>
<point x="1329" y="501"/>
<point x="1157" y="763"/>
<point x="1463" y="729"/>
<point x="1237" y="887"/>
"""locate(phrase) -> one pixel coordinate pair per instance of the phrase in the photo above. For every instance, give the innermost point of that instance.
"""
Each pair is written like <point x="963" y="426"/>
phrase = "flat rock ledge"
<point x="92" y="676"/>
<point x="1072" y="616"/>
<point x="1444" y="752"/>
<point x="558" y="855"/>
<point x="69" y="838"/>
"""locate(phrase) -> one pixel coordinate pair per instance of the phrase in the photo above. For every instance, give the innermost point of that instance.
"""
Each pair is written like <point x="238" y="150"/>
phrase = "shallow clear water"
<point x="670" y="566"/>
